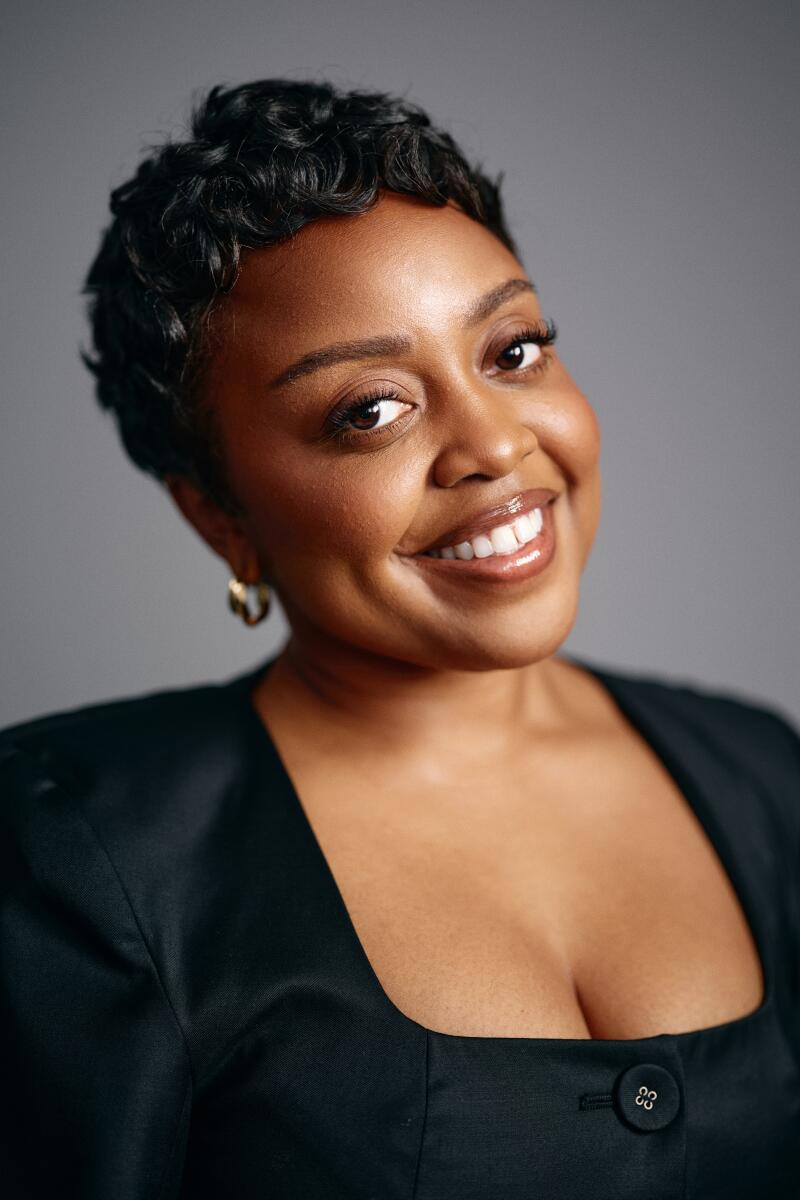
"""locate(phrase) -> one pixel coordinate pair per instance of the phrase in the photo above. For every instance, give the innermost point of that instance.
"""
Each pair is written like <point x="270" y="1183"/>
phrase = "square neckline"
<point x="688" y="786"/>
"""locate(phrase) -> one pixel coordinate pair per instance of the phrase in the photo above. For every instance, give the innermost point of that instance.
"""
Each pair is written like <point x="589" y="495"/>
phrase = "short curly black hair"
<point x="264" y="158"/>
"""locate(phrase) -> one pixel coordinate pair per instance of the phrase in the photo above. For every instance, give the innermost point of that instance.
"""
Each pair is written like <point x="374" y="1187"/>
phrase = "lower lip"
<point x="531" y="559"/>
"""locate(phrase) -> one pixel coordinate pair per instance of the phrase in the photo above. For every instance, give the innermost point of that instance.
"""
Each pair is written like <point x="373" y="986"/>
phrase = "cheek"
<point x="569" y="432"/>
<point x="334" y="511"/>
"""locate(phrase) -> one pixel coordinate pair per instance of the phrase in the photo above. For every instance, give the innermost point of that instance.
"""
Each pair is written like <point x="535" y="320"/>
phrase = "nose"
<point x="486" y="439"/>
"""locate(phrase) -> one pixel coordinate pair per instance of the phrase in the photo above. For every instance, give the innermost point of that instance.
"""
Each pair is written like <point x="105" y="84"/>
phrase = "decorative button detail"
<point x="647" y="1097"/>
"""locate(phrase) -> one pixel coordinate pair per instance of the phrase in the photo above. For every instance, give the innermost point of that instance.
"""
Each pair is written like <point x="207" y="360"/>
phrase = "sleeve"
<point x="96" y="1081"/>
<point x="780" y="764"/>
<point x="791" y="735"/>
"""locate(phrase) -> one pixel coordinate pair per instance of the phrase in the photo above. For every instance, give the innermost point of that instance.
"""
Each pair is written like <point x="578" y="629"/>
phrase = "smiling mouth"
<point x="514" y="549"/>
<point x="504" y="538"/>
<point x="496" y="530"/>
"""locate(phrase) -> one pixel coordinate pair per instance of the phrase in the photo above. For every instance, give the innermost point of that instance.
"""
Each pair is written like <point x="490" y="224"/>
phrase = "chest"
<point x="530" y="903"/>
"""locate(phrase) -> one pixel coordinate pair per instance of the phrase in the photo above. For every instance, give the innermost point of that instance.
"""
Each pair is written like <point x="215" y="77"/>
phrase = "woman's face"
<point x="341" y="493"/>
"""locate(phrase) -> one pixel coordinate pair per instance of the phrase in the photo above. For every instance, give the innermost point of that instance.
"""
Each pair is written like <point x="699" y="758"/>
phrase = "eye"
<point x="521" y="354"/>
<point x="526" y="350"/>
<point x="367" y="414"/>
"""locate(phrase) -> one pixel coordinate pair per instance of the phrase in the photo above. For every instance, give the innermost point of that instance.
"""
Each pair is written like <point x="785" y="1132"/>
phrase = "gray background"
<point x="651" y="165"/>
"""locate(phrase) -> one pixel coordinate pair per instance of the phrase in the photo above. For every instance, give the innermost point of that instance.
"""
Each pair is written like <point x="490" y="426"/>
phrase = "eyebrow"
<point x="383" y="345"/>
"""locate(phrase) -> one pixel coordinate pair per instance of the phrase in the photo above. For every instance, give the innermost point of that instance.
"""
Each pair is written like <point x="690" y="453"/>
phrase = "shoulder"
<point x="739" y="725"/>
<point x="137" y="772"/>
<point x="115" y="731"/>
<point x="129" y="736"/>
<point x="723" y="732"/>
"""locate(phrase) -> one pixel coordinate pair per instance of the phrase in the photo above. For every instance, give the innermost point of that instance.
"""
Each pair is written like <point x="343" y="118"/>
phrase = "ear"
<point x="221" y="530"/>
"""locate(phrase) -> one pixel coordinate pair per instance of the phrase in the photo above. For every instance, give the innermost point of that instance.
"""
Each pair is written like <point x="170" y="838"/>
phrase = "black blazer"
<point x="188" y="1012"/>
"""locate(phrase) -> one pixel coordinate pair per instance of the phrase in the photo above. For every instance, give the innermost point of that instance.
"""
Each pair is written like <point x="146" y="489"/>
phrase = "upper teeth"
<point x="503" y="539"/>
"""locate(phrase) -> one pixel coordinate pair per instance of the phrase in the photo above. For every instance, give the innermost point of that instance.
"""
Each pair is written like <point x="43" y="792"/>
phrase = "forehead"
<point x="402" y="258"/>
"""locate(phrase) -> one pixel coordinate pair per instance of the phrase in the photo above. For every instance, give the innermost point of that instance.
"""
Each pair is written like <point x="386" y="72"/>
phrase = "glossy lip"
<point x="489" y="518"/>
<point x="531" y="559"/>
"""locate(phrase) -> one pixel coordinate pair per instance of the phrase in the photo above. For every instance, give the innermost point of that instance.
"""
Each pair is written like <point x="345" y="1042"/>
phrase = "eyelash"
<point x="542" y="335"/>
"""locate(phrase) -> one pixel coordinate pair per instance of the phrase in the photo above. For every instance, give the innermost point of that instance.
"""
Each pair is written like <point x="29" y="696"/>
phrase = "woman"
<point x="420" y="907"/>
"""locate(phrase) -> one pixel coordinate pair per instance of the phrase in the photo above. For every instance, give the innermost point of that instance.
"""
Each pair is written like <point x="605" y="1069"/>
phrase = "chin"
<point x="503" y="644"/>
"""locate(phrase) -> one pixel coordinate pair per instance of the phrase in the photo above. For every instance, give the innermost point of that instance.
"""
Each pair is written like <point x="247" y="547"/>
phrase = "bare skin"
<point x="514" y="858"/>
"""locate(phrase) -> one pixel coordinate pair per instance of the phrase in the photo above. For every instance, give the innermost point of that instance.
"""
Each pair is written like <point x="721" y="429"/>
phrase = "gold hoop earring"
<point x="237" y="600"/>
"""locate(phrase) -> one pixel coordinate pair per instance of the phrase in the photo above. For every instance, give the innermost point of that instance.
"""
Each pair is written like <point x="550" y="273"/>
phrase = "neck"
<point x="394" y="707"/>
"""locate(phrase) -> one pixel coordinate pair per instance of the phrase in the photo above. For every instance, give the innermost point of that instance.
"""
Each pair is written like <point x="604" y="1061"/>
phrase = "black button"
<point x="647" y="1097"/>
